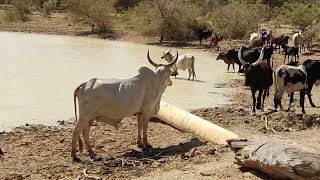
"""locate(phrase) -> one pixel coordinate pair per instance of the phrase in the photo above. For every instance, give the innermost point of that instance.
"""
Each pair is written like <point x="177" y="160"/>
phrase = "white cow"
<point x="111" y="100"/>
<point x="184" y="62"/>
<point x="298" y="40"/>
<point x="289" y="79"/>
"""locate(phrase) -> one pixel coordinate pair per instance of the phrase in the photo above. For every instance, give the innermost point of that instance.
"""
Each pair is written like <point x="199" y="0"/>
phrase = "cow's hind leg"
<point x="253" y="93"/>
<point x="291" y="100"/>
<point x="145" y="132"/>
<point x="75" y="137"/>
<point x="85" y="133"/>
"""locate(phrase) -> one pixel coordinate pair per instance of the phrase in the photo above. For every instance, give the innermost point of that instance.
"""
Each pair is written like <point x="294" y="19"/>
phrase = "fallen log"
<point x="278" y="158"/>
<point x="188" y="122"/>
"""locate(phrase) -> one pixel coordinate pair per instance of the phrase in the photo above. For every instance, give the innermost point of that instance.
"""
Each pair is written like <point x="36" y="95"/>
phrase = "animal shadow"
<point x="255" y="172"/>
<point x="185" y="79"/>
<point x="135" y="158"/>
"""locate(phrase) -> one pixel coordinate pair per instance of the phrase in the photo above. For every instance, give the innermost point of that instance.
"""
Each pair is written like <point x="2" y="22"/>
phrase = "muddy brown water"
<point x="40" y="72"/>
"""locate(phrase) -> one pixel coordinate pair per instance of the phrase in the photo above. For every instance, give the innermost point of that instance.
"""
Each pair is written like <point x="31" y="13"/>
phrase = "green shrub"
<point x="48" y="7"/>
<point x="20" y="11"/>
<point x="95" y="13"/>
<point x="237" y="19"/>
<point x="300" y="15"/>
<point x="12" y="15"/>
<point x="170" y="19"/>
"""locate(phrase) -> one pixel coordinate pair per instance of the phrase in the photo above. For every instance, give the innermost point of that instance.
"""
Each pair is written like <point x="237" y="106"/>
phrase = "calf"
<point x="214" y="40"/>
<point x="231" y="57"/>
<point x="290" y="51"/>
<point x="289" y="79"/>
<point x="258" y="76"/>
<point x="313" y="71"/>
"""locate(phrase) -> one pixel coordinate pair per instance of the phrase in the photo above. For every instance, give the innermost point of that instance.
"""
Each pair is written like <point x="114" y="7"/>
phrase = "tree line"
<point x="178" y="19"/>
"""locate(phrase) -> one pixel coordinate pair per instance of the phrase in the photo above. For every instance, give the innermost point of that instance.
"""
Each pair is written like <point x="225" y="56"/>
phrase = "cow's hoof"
<point x="76" y="159"/>
<point x="95" y="157"/>
<point x="147" y="147"/>
<point x="140" y="145"/>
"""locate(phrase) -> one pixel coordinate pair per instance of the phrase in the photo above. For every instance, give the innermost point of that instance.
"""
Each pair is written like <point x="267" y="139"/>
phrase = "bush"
<point x="20" y="11"/>
<point x="12" y="15"/>
<point x="300" y="15"/>
<point x="95" y="13"/>
<point x="170" y="19"/>
<point x="48" y="7"/>
<point x="237" y="19"/>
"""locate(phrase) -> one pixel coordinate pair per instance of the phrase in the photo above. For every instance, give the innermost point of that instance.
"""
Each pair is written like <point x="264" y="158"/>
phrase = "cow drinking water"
<point x="110" y="100"/>
<point x="184" y="62"/>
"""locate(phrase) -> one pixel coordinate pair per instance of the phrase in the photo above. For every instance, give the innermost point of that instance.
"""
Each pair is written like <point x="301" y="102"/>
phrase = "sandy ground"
<point x="41" y="152"/>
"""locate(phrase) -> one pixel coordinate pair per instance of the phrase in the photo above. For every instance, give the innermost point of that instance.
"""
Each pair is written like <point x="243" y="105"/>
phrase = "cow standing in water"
<point x="184" y="62"/>
<point x="110" y="100"/>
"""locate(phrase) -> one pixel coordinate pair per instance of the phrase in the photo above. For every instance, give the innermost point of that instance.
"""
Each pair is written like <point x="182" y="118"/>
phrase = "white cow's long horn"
<point x="151" y="62"/>
<point x="174" y="61"/>
<point x="260" y="57"/>
<point x="240" y="57"/>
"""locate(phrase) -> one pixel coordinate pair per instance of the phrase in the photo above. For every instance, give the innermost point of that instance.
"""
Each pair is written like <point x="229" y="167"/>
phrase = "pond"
<point x="40" y="72"/>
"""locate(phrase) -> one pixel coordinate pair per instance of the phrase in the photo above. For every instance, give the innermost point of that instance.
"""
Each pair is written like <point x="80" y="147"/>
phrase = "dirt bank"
<point x="41" y="152"/>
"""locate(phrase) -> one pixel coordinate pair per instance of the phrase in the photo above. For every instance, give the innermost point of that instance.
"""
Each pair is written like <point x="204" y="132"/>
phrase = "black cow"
<point x="258" y="76"/>
<point x="203" y="34"/>
<point x="250" y="54"/>
<point x="313" y="78"/>
<point x="290" y="51"/>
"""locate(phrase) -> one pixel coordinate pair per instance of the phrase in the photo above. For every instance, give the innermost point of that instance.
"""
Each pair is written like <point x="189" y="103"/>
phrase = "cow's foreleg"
<point x="233" y="68"/>
<point x="190" y="72"/>
<point x="259" y="99"/>
<point x="253" y="93"/>
<point x="263" y="98"/>
<point x="145" y="132"/>
<point x="140" y="127"/>
<point x="228" y="67"/>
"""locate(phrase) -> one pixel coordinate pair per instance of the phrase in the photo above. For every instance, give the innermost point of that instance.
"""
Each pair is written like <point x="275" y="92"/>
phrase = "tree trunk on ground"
<point x="277" y="158"/>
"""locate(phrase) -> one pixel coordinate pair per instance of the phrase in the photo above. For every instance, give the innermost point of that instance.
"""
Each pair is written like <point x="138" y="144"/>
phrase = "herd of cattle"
<point x="259" y="75"/>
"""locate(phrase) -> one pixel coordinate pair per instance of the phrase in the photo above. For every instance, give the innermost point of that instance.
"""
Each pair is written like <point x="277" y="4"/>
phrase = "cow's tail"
<point x="75" y="94"/>
<point x="192" y="66"/>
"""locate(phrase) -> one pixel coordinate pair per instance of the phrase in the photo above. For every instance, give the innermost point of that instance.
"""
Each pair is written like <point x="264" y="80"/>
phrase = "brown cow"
<point x="279" y="41"/>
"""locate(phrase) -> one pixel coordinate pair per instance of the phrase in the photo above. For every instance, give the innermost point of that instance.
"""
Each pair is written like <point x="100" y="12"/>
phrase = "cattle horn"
<point x="240" y="57"/>
<point x="174" y="61"/>
<point x="151" y="62"/>
<point x="260" y="57"/>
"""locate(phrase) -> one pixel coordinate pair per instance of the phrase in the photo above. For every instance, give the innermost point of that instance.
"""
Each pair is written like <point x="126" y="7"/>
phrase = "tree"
<point x="165" y="18"/>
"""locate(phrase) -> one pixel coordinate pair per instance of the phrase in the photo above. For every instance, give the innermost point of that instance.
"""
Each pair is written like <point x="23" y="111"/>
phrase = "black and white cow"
<point x="290" y="51"/>
<point x="313" y="71"/>
<point x="289" y="79"/>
